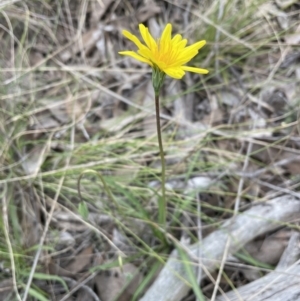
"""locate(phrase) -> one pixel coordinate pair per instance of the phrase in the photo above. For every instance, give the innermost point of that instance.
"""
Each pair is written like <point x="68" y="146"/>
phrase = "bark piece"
<point x="291" y="253"/>
<point x="276" y="286"/>
<point x="282" y="284"/>
<point x="240" y="230"/>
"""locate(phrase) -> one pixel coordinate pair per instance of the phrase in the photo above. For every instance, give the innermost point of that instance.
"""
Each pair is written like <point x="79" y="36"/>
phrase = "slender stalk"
<point x="162" y="205"/>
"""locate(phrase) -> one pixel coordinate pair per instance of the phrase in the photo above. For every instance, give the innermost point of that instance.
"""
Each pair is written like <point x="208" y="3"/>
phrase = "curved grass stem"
<point x="162" y="205"/>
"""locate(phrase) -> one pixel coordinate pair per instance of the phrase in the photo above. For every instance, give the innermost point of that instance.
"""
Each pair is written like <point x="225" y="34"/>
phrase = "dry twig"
<point x="245" y="227"/>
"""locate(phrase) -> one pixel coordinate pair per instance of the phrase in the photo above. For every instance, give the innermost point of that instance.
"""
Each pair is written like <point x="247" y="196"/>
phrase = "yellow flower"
<point x="167" y="54"/>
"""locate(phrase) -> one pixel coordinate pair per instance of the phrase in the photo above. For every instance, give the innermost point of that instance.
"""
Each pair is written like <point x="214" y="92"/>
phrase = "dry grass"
<point x="72" y="108"/>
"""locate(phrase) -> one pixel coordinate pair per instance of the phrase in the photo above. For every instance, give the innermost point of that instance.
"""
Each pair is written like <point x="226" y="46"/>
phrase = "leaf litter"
<point x="52" y="65"/>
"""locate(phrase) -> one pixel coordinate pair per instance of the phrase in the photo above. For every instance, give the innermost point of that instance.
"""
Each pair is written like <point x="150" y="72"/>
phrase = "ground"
<point x="80" y="171"/>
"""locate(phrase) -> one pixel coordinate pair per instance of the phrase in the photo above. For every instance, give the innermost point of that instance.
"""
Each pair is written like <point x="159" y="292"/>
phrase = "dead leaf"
<point x="269" y="9"/>
<point x="42" y="122"/>
<point x="55" y="269"/>
<point x="82" y="295"/>
<point x="182" y="109"/>
<point x="35" y="57"/>
<point x="82" y="261"/>
<point x="228" y="98"/>
<point x="118" y="284"/>
<point x="211" y="111"/>
<point x="78" y="106"/>
<point x="35" y="158"/>
<point x="269" y="250"/>
<point x="147" y="11"/>
<point x="32" y="228"/>
<point x="85" y="45"/>
<point x="98" y="9"/>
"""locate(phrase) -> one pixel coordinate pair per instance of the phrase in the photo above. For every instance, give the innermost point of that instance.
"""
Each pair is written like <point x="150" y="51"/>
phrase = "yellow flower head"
<point x="168" y="54"/>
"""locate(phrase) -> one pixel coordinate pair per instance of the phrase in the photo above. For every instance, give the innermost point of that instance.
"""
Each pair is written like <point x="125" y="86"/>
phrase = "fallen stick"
<point x="281" y="284"/>
<point x="276" y="286"/>
<point x="237" y="231"/>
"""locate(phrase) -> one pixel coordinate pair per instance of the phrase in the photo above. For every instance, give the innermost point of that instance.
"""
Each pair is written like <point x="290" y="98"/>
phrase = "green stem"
<point x="162" y="205"/>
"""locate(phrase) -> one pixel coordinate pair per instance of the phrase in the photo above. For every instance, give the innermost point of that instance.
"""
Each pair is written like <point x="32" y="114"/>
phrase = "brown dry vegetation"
<point x="76" y="115"/>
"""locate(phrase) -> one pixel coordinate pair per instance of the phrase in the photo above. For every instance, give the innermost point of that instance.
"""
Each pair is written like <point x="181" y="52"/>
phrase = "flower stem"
<point x="162" y="204"/>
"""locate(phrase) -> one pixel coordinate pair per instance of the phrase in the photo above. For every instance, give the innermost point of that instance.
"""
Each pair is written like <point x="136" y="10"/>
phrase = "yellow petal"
<point x="168" y="54"/>
<point x="166" y="34"/>
<point x="176" y="39"/>
<point x="165" y="45"/>
<point x="133" y="39"/>
<point x="195" y="70"/>
<point x="179" y="61"/>
<point x="161" y="65"/>
<point x="150" y="42"/>
<point x="197" y="45"/>
<point x="136" y="56"/>
<point x="174" y="72"/>
<point x="181" y="44"/>
<point x="146" y="53"/>
<point x="191" y="49"/>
